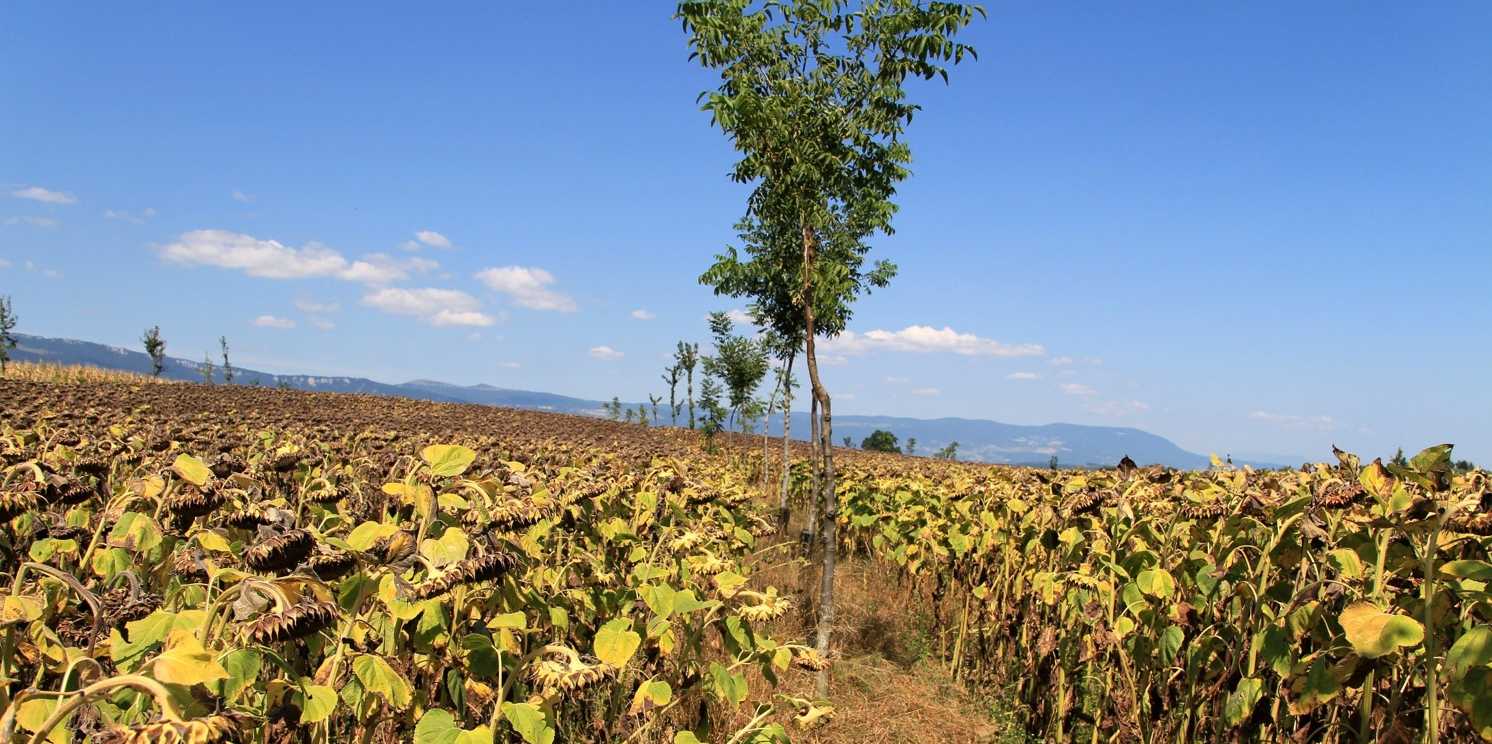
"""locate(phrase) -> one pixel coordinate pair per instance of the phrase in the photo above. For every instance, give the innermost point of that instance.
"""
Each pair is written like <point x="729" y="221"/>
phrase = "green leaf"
<point x="192" y="470"/>
<point x="616" y="642"/>
<point x="1156" y="582"/>
<point x="135" y="531"/>
<point x="317" y="703"/>
<point x="729" y="583"/>
<point x="438" y="726"/>
<point x="659" y="598"/>
<point x="243" y="667"/>
<point x="650" y="694"/>
<point x="447" y="459"/>
<point x="111" y="562"/>
<point x="1315" y="689"/>
<point x="529" y="722"/>
<point x="1475" y="570"/>
<point x="1347" y="563"/>
<point x="1472" y="649"/>
<point x="378" y="677"/>
<point x="185" y="662"/>
<point x="366" y="534"/>
<point x="1240" y="704"/>
<point x="450" y="548"/>
<point x="33" y="713"/>
<point x="1374" y="633"/>
<point x="729" y="686"/>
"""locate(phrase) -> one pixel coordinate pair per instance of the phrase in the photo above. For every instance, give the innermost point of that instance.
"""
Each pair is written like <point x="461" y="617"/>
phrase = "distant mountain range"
<point x="987" y="441"/>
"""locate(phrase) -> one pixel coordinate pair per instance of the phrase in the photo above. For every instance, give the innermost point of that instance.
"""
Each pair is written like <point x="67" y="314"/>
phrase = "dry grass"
<point x="888" y="683"/>
<point x="74" y="373"/>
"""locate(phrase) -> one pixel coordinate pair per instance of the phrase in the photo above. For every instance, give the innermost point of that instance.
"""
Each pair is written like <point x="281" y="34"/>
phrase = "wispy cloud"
<point x="43" y="222"/>
<point x="240" y="196"/>
<point x="45" y="196"/>
<point x="4" y="264"/>
<point x="508" y="365"/>
<point x="606" y="353"/>
<point x="1073" y="388"/>
<point x="433" y="239"/>
<point x="322" y="324"/>
<point x="271" y="259"/>
<point x="438" y="307"/>
<point x="526" y="287"/>
<point x="1292" y="421"/>
<point x="320" y="308"/>
<point x="1023" y="376"/>
<point x="127" y="216"/>
<point x="926" y="392"/>
<point x="641" y="314"/>
<point x="926" y="339"/>
<point x="1119" y="408"/>
<point x="270" y="321"/>
<point x="897" y="380"/>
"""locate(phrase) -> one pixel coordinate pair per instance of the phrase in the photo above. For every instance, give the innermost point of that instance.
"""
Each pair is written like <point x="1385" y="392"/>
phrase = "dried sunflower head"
<point x="227" y="464"/>
<point x="811" y="660"/>
<point x="326" y="493"/>
<point x="247" y="518"/>
<point x="565" y="672"/>
<point x="331" y="565"/>
<point x="280" y="552"/>
<point x="16" y="501"/>
<point x="470" y="571"/>
<point x="191" y="501"/>
<point x="765" y="607"/>
<point x="297" y="621"/>
<point x="228" y="726"/>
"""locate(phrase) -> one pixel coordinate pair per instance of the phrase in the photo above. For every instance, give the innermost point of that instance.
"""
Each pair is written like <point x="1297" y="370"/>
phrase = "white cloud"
<point x="125" y="215"/>
<point x="1073" y="388"/>
<point x="1023" y="376"/>
<point x="527" y="286"/>
<point x="270" y="321"/>
<point x="897" y="380"/>
<point x="740" y="317"/>
<point x="508" y="365"/>
<point x="1119" y="408"/>
<point x="32" y="221"/>
<point x="432" y="239"/>
<point x="926" y="339"/>
<point x="1315" y="423"/>
<point x="271" y="259"/>
<point x="322" y="324"/>
<point x="641" y="314"/>
<point x="4" y="264"/>
<point x="606" y="353"/>
<point x="240" y="196"/>
<point x="51" y="273"/>
<point x="926" y="392"/>
<point x="438" y="307"/>
<point x="45" y="196"/>
<point x="1061" y="361"/>
<point x="312" y="306"/>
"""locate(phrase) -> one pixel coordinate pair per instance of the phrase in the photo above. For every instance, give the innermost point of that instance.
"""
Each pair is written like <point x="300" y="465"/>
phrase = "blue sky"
<point x="1254" y="228"/>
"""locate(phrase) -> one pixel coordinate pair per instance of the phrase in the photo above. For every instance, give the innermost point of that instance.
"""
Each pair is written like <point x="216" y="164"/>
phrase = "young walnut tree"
<point x="812" y="94"/>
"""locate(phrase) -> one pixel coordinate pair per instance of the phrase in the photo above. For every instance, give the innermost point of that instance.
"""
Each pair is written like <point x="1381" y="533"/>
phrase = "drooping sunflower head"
<point x="228" y="726"/>
<point x="280" y="553"/>
<point x="563" y="671"/>
<point x="297" y="621"/>
<point x="764" y="607"/>
<point x="470" y="571"/>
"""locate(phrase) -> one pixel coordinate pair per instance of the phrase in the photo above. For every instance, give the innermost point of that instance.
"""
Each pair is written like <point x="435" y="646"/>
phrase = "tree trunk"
<point x="784" y="510"/>
<point x="691" y="397"/>
<point x="827" y="527"/>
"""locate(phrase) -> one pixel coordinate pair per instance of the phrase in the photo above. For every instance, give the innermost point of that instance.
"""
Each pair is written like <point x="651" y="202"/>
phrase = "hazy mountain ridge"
<point x="988" y="441"/>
